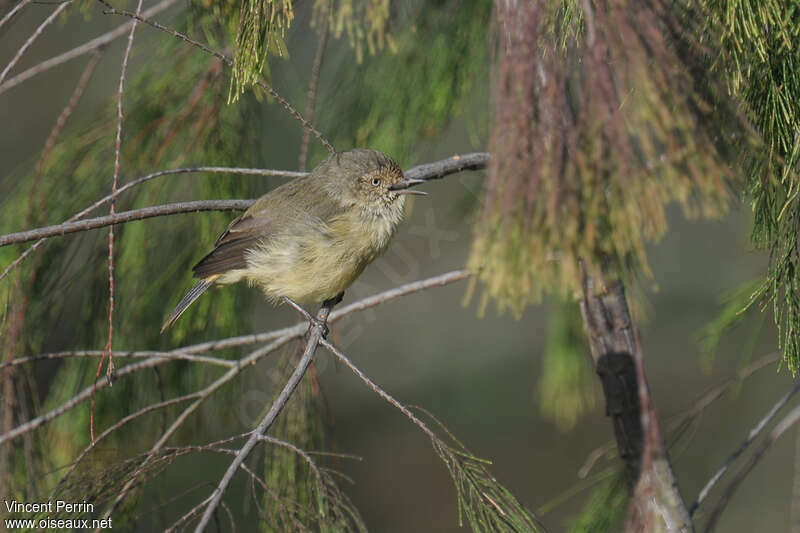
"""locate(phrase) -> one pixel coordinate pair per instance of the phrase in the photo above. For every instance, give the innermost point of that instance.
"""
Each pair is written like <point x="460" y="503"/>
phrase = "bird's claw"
<point x="313" y="321"/>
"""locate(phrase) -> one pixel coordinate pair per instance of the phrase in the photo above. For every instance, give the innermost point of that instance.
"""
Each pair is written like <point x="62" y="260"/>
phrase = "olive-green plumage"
<point x="310" y="238"/>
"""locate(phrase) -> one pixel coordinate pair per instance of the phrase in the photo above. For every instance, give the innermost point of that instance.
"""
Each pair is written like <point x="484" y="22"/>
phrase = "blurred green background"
<point x="479" y="376"/>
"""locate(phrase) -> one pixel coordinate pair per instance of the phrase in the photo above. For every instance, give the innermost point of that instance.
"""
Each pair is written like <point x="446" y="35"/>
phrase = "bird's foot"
<point x="333" y="301"/>
<point x="313" y="321"/>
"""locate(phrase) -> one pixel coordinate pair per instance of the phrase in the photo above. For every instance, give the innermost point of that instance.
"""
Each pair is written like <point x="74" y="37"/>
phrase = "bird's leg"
<point x="312" y="320"/>
<point x="333" y="301"/>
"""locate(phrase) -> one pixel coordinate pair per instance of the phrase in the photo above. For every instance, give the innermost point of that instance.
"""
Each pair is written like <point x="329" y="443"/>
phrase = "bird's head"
<point x="369" y="180"/>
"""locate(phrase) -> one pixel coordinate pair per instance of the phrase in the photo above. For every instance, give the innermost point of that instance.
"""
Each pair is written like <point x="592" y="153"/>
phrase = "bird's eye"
<point x="376" y="182"/>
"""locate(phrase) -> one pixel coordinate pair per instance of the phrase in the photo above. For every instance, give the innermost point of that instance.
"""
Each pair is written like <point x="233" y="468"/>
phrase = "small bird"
<point x="309" y="239"/>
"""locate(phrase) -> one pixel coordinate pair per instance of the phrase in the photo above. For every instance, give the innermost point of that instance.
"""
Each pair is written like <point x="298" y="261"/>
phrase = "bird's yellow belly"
<point x="307" y="272"/>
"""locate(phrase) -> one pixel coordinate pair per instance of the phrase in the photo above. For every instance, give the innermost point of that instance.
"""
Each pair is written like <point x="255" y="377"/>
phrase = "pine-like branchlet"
<point x="599" y="121"/>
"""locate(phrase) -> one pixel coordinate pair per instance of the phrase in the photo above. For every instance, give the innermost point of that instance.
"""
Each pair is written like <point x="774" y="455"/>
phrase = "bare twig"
<point x="716" y="392"/>
<point x="35" y="35"/>
<point x="754" y="433"/>
<point x="109" y="348"/>
<point x="40" y="420"/>
<point x="229" y="62"/>
<point x="251" y="359"/>
<point x="429" y="171"/>
<point x="125" y="216"/>
<point x="675" y="422"/>
<point x="121" y="422"/>
<point x="451" y="165"/>
<point x="8" y="16"/>
<point x="314" y="338"/>
<point x="148" y="177"/>
<point x="88" y="47"/>
<point x="780" y="428"/>
<point x="187" y="353"/>
<point x="77" y="93"/>
<point x="379" y="391"/>
<point x="284" y="334"/>
<point x="143" y="354"/>
<point x="202" y="395"/>
<point x="189" y="514"/>
<point x="313" y="86"/>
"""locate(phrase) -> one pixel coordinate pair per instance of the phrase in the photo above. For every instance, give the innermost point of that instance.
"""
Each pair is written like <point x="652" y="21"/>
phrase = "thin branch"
<point x="143" y="354"/>
<point x="148" y="177"/>
<point x="716" y="392"/>
<point x="451" y="165"/>
<point x="187" y="353"/>
<point x="429" y="171"/>
<point x="314" y="338"/>
<point x="40" y="420"/>
<point x="302" y="453"/>
<point x="125" y="216"/>
<point x="117" y="425"/>
<point x="284" y="334"/>
<point x="8" y="16"/>
<point x="313" y="85"/>
<point x="754" y="433"/>
<point x="88" y="47"/>
<point x="675" y="422"/>
<point x="204" y="394"/>
<point x="35" y="35"/>
<point x="251" y="360"/>
<point x="229" y="62"/>
<point x="55" y="132"/>
<point x="379" y="391"/>
<point x="780" y="428"/>
<point x="189" y="514"/>
<point x="109" y="348"/>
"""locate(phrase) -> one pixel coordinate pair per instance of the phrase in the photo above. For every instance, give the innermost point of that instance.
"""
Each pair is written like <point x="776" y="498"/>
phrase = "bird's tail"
<point x="193" y="294"/>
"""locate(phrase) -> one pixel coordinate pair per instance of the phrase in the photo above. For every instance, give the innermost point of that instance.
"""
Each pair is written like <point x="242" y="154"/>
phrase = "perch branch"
<point x="753" y="435"/>
<point x="88" y="47"/>
<point x="8" y="16"/>
<point x="451" y="165"/>
<point x="143" y="354"/>
<point x="121" y="422"/>
<point x="125" y="216"/>
<point x="314" y="338"/>
<point x="379" y="391"/>
<point x="148" y="177"/>
<point x="35" y="35"/>
<point x="428" y="171"/>
<point x="250" y="360"/>
<point x="780" y="428"/>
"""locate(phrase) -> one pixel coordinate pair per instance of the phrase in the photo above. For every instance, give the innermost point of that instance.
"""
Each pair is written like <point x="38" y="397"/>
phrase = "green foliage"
<point x="302" y="496"/>
<point x="598" y="123"/>
<point x="736" y="305"/>
<point x="566" y="385"/>
<point x="262" y="27"/>
<point x="364" y="21"/>
<point x="170" y="121"/>
<point x="605" y="507"/>
<point x="487" y="505"/>
<point x="760" y="40"/>
<point x="399" y="100"/>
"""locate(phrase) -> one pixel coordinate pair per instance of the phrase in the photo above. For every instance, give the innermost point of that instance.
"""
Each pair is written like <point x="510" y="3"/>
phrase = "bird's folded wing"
<point x="229" y="251"/>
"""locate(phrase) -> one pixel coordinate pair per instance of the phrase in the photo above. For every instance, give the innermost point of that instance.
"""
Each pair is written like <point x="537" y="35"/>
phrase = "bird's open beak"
<point x="403" y="187"/>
